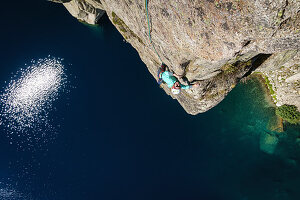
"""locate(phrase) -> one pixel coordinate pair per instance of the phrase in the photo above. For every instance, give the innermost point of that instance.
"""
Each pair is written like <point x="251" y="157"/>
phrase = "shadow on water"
<point x="101" y="29"/>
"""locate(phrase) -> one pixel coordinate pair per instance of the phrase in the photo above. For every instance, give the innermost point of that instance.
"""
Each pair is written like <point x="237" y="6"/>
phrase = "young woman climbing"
<point x="172" y="80"/>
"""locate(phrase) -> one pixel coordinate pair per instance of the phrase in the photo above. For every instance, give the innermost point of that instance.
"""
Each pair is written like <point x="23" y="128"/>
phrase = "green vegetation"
<point x="272" y="92"/>
<point x="228" y="68"/>
<point x="289" y="113"/>
<point x="117" y="21"/>
<point x="270" y="87"/>
<point x="125" y="31"/>
<point x="280" y="14"/>
<point x="282" y="67"/>
<point x="245" y="64"/>
<point x="231" y="68"/>
<point x="264" y="80"/>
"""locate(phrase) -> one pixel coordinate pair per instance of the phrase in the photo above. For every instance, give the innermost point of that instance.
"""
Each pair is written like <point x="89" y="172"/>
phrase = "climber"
<point x="172" y="80"/>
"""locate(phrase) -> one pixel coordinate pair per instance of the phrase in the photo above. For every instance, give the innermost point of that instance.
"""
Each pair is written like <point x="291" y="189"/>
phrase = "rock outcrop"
<point x="282" y="74"/>
<point x="88" y="11"/>
<point x="213" y="42"/>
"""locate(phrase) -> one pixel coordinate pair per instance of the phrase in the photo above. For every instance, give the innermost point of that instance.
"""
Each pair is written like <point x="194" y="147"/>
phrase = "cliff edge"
<point x="213" y="42"/>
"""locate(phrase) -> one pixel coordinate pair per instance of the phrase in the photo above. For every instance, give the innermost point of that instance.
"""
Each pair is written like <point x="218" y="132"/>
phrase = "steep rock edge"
<point x="282" y="76"/>
<point x="213" y="42"/>
<point x="88" y="11"/>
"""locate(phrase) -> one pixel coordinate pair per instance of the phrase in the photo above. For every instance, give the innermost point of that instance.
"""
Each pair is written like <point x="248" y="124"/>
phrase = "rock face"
<point x="282" y="72"/>
<point x="88" y="11"/>
<point x="213" y="42"/>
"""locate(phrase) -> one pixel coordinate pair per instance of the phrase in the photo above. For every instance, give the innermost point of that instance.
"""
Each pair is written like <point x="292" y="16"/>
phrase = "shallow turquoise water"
<point x="269" y="166"/>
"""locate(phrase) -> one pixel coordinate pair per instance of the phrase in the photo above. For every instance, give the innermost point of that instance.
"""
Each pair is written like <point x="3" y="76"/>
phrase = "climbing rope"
<point x="150" y="33"/>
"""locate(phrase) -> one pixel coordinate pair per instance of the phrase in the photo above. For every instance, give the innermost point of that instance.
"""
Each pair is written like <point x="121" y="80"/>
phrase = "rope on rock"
<point x="149" y="31"/>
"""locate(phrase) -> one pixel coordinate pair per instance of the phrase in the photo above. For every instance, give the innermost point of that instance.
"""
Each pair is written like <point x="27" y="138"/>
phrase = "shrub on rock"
<point x="289" y="113"/>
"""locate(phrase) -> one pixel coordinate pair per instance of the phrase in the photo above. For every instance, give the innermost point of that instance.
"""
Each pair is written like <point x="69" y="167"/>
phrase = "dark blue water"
<point x="114" y="142"/>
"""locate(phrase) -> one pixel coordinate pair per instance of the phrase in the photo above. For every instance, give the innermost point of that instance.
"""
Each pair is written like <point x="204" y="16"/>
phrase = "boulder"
<point x="84" y="10"/>
<point x="268" y="143"/>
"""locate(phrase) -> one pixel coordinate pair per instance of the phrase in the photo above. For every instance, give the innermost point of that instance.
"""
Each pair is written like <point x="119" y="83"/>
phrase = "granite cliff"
<point x="213" y="42"/>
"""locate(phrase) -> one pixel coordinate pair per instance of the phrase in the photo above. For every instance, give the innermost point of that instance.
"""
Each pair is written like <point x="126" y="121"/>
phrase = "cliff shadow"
<point x="256" y="62"/>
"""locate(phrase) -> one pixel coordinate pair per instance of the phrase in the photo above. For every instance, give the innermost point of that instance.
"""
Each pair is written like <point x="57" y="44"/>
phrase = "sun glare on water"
<point x="28" y="98"/>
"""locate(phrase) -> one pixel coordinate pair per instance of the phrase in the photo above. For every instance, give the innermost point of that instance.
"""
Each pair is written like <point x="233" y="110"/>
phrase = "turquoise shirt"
<point x="170" y="79"/>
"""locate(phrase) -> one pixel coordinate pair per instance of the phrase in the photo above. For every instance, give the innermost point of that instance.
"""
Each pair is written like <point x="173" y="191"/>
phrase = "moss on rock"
<point x="270" y="87"/>
<point x="124" y="29"/>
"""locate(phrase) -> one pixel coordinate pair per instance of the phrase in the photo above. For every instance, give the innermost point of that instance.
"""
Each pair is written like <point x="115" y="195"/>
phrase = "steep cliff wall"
<point x="213" y="42"/>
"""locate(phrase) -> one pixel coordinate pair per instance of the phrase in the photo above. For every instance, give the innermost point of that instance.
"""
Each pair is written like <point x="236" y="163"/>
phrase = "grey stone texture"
<point x="212" y="42"/>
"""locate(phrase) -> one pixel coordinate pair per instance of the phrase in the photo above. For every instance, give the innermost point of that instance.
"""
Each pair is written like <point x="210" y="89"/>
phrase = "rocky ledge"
<point x="214" y="42"/>
<point x="88" y="11"/>
<point x="282" y="76"/>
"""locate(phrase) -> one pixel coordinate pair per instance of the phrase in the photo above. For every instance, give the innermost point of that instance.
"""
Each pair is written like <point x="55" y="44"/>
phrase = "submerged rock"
<point x="210" y="42"/>
<point x="268" y="143"/>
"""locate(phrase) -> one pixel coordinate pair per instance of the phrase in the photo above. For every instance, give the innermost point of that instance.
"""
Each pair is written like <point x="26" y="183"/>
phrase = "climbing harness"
<point x="149" y="31"/>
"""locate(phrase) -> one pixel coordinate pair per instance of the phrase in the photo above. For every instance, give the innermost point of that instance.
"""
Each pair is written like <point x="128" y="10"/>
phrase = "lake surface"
<point x="109" y="138"/>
